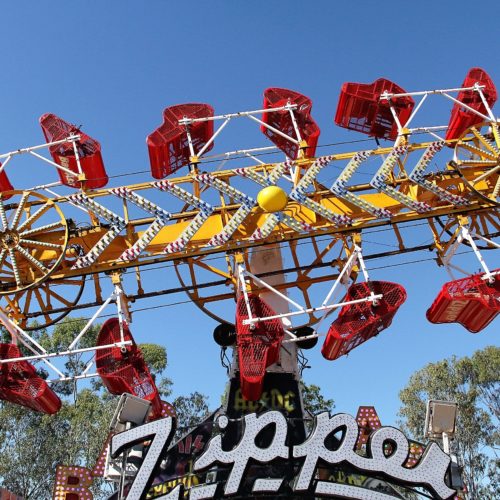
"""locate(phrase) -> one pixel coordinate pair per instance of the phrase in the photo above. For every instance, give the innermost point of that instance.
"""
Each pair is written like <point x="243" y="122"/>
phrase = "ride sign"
<point x="429" y="473"/>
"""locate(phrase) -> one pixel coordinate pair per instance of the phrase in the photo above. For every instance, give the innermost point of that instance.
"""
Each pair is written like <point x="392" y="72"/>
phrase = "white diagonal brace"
<point x="273" y="220"/>
<point x="205" y="210"/>
<point x="417" y="176"/>
<point x="380" y="178"/>
<point x="339" y="187"/>
<point x="299" y="194"/>
<point x="162" y="217"/>
<point x="247" y="204"/>
<point x="117" y="225"/>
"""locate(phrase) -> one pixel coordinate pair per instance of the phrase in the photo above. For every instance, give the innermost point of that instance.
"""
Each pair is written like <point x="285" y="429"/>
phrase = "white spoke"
<point x="19" y="210"/>
<point x="32" y="259"/>
<point x="32" y="218"/>
<point x="14" y="266"/>
<point x="46" y="244"/>
<point x="41" y="229"/>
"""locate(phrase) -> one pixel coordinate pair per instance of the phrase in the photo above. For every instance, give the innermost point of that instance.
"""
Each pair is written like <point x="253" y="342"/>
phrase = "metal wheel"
<point x="45" y="305"/>
<point x="308" y="267"/>
<point x="33" y="239"/>
<point x="477" y="150"/>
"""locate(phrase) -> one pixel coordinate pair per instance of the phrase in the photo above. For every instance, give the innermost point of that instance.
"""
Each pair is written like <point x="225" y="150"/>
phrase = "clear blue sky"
<point x="114" y="65"/>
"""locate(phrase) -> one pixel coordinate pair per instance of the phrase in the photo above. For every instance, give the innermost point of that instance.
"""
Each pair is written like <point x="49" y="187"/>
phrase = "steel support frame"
<point x="465" y="234"/>
<point x="248" y="114"/>
<point x="356" y="257"/>
<point x="387" y="96"/>
<point x="40" y="353"/>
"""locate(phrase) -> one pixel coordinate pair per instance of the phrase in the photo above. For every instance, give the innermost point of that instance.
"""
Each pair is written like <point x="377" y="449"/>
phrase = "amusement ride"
<point x="278" y="244"/>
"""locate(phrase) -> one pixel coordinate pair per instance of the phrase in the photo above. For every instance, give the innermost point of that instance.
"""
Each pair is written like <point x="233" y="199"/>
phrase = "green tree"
<point x="32" y="444"/>
<point x="314" y="402"/>
<point x="190" y="410"/>
<point x="474" y="383"/>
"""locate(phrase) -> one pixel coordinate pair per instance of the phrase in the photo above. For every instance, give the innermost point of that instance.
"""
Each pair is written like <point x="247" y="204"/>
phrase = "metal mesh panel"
<point x="89" y="151"/>
<point x="462" y="118"/>
<point x="359" y="108"/>
<point x="281" y="120"/>
<point x="257" y="348"/>
<point x="168" y="145"/>
<point x="470" y="301"/>
<point x="20" y="384"/>
<point x="356" y="323"/>
<point x="124" y="371"/>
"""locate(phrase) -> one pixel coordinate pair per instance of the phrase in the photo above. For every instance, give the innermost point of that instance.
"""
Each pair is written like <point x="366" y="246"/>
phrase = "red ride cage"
<point x="89" y="152"/>
<point x="125" y="371"/>
<point x="462" y="118"/>
<point x="470" y="301"/>
<point x="282" y="120"/>
<point x="258" y="348"/>
<point x="356" y="323"/>
<point x="5" y="185"/>
<point x="20" y="384"/>
<point x="168" y="145"/>
<point x="360" y="108"/>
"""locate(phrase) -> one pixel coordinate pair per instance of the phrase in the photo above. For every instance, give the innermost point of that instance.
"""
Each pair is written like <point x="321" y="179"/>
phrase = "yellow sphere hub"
<point x="272" y="199"/>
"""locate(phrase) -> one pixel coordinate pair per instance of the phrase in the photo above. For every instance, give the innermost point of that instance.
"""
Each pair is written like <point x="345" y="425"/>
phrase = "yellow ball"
<point x="272" y="199"/>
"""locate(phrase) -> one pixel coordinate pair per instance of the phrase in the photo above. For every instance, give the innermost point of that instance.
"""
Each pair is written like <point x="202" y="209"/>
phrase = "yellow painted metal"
<point x="475" y="180"/>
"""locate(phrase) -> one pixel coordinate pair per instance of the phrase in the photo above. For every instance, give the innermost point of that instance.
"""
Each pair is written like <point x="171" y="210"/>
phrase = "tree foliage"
<point x="474" y="383"/>
<point x="314" y="401"/>
<point x="33" y="444"/>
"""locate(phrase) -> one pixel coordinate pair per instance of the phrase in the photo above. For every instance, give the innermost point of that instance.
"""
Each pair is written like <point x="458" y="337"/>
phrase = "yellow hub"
<point x="272" y="199"/>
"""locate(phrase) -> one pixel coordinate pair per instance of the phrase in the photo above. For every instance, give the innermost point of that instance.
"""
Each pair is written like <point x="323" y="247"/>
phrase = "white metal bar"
<point x="486" y="174"/>
<point x="121" y="317"/>
<point x="241" y="152"/>
<point x="45" y="186"/>
<point x="48" y="355"/>
<point x="76" y="377"/>
<point x="396" y="118"/>
<point x="242" y="282"/>
<point x="5" y="163"/>
<point x="91" y="320"/>
<point x="190" y="141"/>
<point x="294" y="122"/>
<point x="313" y="309"/>
<point x="388" y="95"/>
<point x="475" y="235"/>
<point x="40" y="146"/>
<point x="187" y="121"/>
<point x="470" y="239"/>
<point x="254" y="158"/>
<point x="429" y="129"/>
<point x="460" y="103"/>
<point x="415" y="111"/>
<point x="77" y="157"/>
<point x="214" y="135"/>
<point x="275" y="130"/>
<point x="351" y="261"/>
<point x="272" y="289"/>
<point x="486" y="105"/>
<point x="53" y="163"/>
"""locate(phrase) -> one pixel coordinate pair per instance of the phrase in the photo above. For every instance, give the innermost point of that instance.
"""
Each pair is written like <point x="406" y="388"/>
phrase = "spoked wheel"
<point x="486" y="224"/>
<point x="302" y="270"/>
<point x="45" y="305"/>
<point x="33" y="239"/>
<point x="477" y="157"/>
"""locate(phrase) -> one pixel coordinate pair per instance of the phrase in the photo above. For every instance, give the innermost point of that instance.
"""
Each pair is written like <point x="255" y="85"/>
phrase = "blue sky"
<point x="113" y="66"/>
